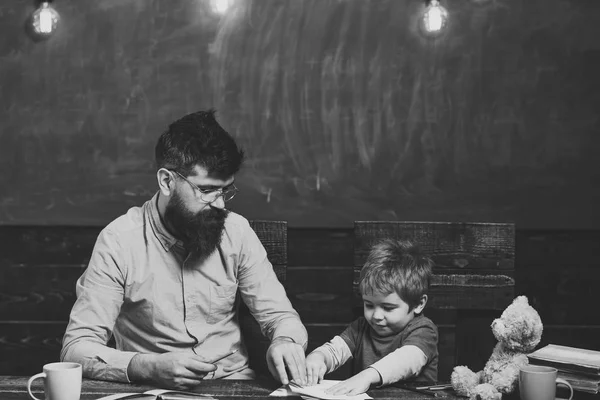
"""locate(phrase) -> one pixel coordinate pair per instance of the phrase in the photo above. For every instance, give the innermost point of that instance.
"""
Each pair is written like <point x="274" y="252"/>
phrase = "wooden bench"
<point x="473" y="279"/>
<point x="39" y="266"/>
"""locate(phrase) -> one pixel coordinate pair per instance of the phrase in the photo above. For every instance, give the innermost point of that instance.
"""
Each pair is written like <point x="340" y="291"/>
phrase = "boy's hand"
<point x="315" y="368"/>
<point x="359" y="383"/>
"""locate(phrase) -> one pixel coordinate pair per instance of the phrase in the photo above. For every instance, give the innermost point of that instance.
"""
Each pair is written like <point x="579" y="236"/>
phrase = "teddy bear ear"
<point x="521" y="300"/>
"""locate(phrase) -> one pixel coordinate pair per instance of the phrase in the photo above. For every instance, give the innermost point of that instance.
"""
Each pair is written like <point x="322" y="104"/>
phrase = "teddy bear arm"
<point x="464" y="380"/>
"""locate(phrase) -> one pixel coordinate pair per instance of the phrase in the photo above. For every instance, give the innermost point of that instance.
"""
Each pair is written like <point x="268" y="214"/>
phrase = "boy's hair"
<point x="397" y="266"/>
<point x="198" y="139"/>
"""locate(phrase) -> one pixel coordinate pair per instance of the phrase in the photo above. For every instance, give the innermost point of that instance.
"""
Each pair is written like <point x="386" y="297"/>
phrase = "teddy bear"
<point x="518" y="331"/>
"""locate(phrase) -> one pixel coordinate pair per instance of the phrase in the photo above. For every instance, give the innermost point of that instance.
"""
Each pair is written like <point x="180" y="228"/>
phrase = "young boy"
<point x="393" y="341"/>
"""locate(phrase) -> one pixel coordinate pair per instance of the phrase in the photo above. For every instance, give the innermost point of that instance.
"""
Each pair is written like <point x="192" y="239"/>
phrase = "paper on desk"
<point x="164" y="394"/>
<point x="316" y="391"/>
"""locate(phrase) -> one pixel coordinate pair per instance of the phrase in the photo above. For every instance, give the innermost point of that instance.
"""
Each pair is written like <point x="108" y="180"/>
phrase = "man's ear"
<point x="419" y="308"/>
<point x="165" y="181"/>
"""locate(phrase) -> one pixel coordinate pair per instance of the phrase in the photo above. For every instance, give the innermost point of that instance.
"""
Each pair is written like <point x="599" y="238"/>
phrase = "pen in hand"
<point x="443" y="386"/>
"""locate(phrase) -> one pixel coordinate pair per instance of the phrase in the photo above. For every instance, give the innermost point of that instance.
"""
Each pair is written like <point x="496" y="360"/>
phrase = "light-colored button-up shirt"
<point x="141" y="287"/>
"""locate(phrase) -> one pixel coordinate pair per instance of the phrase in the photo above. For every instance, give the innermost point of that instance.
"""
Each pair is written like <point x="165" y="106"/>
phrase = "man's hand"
<point x="315" y="368"/>
<point x="359" y="383"/>
<point x="174" y="370"/>
<point x="282" y="353"/>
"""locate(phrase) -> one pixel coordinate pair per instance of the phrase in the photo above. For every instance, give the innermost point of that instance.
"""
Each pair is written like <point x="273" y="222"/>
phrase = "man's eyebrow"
<point x="215" y="187"/>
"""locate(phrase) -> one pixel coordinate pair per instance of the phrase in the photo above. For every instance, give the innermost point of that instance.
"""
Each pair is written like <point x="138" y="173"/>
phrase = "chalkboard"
<point x="345" y="110"/>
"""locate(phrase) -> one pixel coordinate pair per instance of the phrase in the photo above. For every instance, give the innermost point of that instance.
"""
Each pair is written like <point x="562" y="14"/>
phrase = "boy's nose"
<point x="378" y="315"/>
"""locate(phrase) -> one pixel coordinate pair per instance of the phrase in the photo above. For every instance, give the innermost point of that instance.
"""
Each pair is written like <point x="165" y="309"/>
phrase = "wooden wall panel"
<point x="46" y="245"/>
<point x="26" y="346"/>
<point x="322" y="294"/>
<point x="37" y="292"/>
<point x="558" y="271"/>
<point x="584" y="336"/>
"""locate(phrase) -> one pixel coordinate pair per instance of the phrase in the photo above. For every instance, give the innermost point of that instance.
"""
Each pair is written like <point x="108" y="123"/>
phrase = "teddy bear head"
<point x="519" y="328"/>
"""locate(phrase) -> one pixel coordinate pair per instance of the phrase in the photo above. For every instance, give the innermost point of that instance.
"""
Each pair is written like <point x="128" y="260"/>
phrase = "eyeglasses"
<point x="211" y="195"/>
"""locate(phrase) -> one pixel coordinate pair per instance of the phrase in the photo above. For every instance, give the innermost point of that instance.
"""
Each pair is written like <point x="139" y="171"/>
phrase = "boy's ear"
<point x="419" y="308"/>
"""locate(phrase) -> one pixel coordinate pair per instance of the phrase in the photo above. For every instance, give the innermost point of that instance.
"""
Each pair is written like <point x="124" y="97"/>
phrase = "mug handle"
<point x="560" y="381"/>
<point x="39" y="376"/>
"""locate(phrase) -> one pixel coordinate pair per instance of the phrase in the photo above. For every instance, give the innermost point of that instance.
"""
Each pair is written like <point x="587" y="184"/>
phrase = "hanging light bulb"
<point x="434" y="18"/>
<point x="45" y="19"/>
<point x="220" y="6"/>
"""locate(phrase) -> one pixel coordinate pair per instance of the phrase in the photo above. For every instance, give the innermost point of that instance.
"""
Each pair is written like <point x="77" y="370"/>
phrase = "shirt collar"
<point x="166" y="239"/>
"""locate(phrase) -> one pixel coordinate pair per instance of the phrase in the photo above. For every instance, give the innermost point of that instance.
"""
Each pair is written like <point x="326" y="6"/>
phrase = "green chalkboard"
<point x="346" y="111"/>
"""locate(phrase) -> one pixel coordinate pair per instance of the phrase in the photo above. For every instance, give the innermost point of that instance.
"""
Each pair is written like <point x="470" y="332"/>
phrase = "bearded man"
<point x="163" y="278"/>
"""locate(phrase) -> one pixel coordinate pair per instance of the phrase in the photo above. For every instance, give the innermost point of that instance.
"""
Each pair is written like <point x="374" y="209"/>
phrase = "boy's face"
<point x="388" y="314"/>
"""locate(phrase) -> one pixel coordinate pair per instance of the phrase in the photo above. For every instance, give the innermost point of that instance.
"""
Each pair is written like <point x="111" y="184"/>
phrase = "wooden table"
<point x="15" y="387"/>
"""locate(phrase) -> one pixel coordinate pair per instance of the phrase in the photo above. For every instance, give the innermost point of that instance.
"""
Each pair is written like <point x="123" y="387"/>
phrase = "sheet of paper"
<point x="316" y="391"/>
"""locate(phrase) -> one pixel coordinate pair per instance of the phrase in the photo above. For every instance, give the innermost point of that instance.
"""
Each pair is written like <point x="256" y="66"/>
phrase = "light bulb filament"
<point x="221" y="6"/>
<point x="45" y="20"/>
<point x="434" y="18"/>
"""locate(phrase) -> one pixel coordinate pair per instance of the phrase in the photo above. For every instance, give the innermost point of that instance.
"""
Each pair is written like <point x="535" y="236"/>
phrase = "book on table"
<point x="579" y="367"/>
<point x="581" y="382"/>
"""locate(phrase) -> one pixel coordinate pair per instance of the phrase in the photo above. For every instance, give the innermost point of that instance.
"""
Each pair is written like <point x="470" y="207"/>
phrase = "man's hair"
<point x="198" y="139"/>
<point x="397" y="266"/>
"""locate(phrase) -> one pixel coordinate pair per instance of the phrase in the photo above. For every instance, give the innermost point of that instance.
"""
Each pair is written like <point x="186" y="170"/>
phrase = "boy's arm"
<point x="418" y="347"/>
<point x="336" y="352"/>
<point x="404" y="362"/>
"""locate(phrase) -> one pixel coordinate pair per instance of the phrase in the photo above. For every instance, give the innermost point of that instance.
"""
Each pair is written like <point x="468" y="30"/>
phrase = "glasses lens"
<point x="210" y="197"/>
<point x="228" y="195"/>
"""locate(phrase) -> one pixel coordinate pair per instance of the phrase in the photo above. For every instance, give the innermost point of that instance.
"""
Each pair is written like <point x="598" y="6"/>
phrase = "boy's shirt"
<point x="367" y="347"/>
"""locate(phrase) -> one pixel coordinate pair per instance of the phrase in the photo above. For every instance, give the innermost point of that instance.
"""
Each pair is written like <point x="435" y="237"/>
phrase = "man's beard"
<point x="200" y="232"/>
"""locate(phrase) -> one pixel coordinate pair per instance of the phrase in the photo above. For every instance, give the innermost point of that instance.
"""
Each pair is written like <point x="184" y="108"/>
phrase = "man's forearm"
<point x="99" y="361"/>
<point x="292" y="329"/>
<point x="141" y="368"/>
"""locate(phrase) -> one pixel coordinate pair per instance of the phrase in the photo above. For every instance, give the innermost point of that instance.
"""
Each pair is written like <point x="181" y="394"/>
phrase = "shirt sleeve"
<point x="351" y="335"/>
<point x="99" y="297"/>
<point x="403" y="363"/>
<point x="419" y="346"/>
<point x="336" y="353"/>
<point x="263" y="293"/>
<point x="423" y="335"/>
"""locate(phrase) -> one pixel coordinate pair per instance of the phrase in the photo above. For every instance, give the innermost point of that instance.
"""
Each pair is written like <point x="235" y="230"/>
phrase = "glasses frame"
<point x="232" y="189"/>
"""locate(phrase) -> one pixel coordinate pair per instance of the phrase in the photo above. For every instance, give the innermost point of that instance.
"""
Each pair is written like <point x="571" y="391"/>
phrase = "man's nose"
<point x="218" y="203"/>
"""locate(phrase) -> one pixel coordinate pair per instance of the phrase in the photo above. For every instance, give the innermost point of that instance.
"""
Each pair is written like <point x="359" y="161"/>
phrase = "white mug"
<point x="62" y="381"/>
<point x="539" y="383"/>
